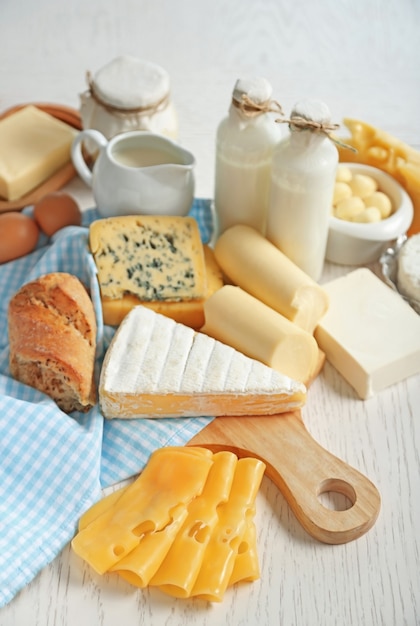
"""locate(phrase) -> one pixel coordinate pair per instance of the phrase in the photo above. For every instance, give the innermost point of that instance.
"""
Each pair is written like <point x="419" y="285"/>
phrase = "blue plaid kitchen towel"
<point x="52" y="465"/>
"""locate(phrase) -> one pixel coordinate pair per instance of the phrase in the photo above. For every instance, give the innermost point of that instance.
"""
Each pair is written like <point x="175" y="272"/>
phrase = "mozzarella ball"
<point x="368" y="216"/>
<point x="341" y="191"/>
<point x="343" y="174"/>
<point x="381" y="201"/>
<point x="362" y="185"/>
<point x="348" y="208"/>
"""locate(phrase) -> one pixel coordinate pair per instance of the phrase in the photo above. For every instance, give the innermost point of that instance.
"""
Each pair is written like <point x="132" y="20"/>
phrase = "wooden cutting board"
<point x="301" y="469"/>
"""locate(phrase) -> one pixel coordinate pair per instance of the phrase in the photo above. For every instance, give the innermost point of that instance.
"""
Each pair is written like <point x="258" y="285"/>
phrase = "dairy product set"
<point x="259" y="345"/>
<point x="273" y="197"/>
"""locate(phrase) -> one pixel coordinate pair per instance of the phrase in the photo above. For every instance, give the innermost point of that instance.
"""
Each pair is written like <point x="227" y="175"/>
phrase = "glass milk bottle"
<point x="244" y="146"/>
<point x="302" y="183"/>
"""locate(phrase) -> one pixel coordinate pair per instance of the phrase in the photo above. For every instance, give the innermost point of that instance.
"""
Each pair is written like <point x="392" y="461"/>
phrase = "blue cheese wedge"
<point x="156" y="367"/>
<point x="156" y="259"/>
<point x="188" y="312"/>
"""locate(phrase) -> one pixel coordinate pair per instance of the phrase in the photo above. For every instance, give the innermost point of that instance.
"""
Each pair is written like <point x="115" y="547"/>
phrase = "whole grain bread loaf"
<point x="52" y="338"/>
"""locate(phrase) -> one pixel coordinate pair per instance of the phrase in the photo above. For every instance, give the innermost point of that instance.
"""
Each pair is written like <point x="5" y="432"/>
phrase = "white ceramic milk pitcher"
<point x="137" y="173"/>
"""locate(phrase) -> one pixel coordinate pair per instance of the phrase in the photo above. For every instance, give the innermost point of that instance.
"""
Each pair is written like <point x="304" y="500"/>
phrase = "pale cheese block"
<point x="253" y="263"/>
<point x="155" y="258"/>
<point x="33" y="146"/>
<point x="155" y="367"/>
<point x="238" y="319"/>
<point x="188" y="312"/>
<point x="369" y="334"/>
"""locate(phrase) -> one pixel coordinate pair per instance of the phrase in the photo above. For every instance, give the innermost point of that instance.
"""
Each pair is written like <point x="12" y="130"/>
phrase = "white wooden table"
<point x="363" y="59"/>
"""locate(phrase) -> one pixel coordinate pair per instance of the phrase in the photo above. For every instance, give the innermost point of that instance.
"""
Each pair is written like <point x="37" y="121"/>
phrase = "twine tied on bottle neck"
<point x="250" y="108"/>
<point x="298" y="123"/>
<point x="111" y="108"/>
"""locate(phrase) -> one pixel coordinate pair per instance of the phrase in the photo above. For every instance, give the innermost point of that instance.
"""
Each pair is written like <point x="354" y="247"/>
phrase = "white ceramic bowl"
<point x="353" y="243"/>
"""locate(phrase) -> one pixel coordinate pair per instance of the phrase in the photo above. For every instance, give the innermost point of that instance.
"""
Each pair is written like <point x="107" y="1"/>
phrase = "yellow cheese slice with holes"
<point x="141" y="564"/>
<point x="253" y="263"/>
<point x="104" y="504"/>
<point x="169" y="480"/>
<point x="178" y="572"/>
<point x="228" y="535"/>
<point x="107" y="502"/>
<point x="246" y="567"/>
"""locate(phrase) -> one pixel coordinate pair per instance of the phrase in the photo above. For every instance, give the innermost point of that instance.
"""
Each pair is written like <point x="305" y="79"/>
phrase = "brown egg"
<point x="18" y="235"/>
<point x="55" y="211"/>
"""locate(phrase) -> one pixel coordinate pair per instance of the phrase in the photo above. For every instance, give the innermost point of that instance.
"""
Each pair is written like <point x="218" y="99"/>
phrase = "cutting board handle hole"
<point x="336" y="494"/>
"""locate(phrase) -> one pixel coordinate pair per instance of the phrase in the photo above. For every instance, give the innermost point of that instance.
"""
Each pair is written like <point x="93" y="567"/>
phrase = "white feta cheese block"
<point x="156" y="367"/>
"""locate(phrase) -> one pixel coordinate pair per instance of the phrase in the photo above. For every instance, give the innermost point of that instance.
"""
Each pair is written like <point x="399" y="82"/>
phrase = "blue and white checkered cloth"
<point x="52" y="465"/>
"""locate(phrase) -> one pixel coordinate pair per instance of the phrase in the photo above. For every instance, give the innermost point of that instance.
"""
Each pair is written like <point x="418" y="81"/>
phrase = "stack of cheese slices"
<point x="191" y="532"/>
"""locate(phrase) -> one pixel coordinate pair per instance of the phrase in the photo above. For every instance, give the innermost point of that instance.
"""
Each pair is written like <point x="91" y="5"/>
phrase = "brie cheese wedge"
<point x="156" y="367"/>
